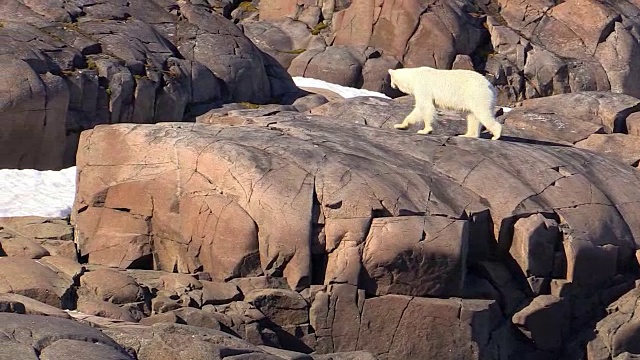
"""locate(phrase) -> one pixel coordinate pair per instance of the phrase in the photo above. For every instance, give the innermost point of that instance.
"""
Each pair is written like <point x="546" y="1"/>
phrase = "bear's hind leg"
<point x="427" y="110"/>
<point x="473" y="127"/>
<point x="412" y="118"/>
<point x="491" y="124"/>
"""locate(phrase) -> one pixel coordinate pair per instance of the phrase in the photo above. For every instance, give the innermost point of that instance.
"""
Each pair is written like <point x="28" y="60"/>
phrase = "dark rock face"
<point x="68" y="68"/>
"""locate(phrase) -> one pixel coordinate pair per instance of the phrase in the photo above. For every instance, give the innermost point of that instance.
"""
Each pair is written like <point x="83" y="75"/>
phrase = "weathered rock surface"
<point x="37" y="280"/>
<point x="350" y="212"/>
<point x="617" y="333"/>
<point x="48" y="338"/>
<point x="621" y="147"/>
<point x="35" y="237"/>
<point x="528" y="49"/>
<point x="70" y="67"/>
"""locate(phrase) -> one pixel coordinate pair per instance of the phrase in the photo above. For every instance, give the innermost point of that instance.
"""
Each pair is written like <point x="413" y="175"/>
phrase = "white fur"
<point x="461" y="90"/>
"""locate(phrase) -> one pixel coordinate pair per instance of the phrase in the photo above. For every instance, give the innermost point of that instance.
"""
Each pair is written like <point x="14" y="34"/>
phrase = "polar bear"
<point x="462" y="90"/>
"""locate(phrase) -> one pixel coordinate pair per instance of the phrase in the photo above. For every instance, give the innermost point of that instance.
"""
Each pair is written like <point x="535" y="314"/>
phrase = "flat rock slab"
<point x="35" y="237"/>
<point x="313" y="184"/>
<point x="570" y="118"/>
<point x="55" y="338"/>
<point x="36" y="279"/>
<point x="622" y="147"/>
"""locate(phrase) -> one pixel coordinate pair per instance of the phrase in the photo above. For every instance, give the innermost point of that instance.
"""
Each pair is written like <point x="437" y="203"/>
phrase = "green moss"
<point x="316" y="29"/>
<point x="296" y="51"/>
<point x="140" y="77"/>
<point x="247" y="6"/>
<point x="91" y="65"/>
<point x="248" y="105"/>
<point x="71" y="26"/>
<point x="108" y="91"/>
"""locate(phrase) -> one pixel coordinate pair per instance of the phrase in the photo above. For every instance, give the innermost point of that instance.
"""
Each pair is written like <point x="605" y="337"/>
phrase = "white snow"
<point x="344" y="91"/>
<point x="37" y="193"/>
<point x="51" y="193"/>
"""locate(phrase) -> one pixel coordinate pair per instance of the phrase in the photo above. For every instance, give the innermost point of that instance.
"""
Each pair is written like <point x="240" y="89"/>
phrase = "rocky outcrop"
<point x="69" y="68"/>
<point x="48" y="338"/>
<point x="367" y="226"/>
<point x="528" y="49"/>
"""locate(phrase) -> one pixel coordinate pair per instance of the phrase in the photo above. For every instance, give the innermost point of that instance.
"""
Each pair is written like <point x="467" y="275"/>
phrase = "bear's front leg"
<point x="410" y="119"/>
<point x="428" y="110"/>
<point x="473" y="127"/>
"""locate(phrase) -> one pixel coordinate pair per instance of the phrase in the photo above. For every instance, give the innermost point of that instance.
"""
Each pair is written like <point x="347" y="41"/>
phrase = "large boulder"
<point x="355" y="213"/>
<point x="37" y="279"/>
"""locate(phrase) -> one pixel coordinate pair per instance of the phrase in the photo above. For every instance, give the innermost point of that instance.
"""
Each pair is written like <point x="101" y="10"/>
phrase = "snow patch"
<point x="37" y="193"/>
<point x="344" y="91"/>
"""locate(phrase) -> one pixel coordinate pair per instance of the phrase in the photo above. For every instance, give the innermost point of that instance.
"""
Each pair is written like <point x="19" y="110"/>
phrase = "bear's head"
<point x="393" y="83"/>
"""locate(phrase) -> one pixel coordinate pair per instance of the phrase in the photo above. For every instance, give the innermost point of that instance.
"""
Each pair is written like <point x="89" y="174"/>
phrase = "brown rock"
<point x="340" y="65"/>
<point x="417" y="317"/>
<point x="633" y="124"/>
<point x="56" y="338"/>
<point x="375" y="73"/>
<point x="354" y="25"/>
<point x="67" y="348"/>
<point x="25" y="111"/>
<point x="621" y="147"/>
<point x="395" y="23"/>
<point x="32" y="307"/>
<point x="282" y="307"/>
<point x="21" y="247"/>
<point x="111" y="286"/>
<point x="545" y="321"/>
<point x="104" y="309"/>
<point x="105" y="249"/>
<point x="415" y="255"/>
<point x="534" y="244"/>
<point x="273" y="9"/>
<point x="546" y="118"/>
<point x="164" y="302"/>
<point x="173" y="341"/>
<point x="333" y="314"/>
<point x="232" y="250"/>
<point x="35" y="237"/>
<point x="216" y="293"/>
<point x="505" y="283"/>
<point x="196" y="317"/>
<point x="588" y="263"/>
<point x="523" y="15"/>
<point x="248" y="284"/>
<point x="463" y="62"/>
<point x="35" y="280"/>
<point x="282" y="39"/>
<point x="533" y="178"/>
<point x="589" y="20"/>
<point x="166" y="317"/>
<point x="179" y="283"/>
<point x="63" y="265"/>
<point x="309" y="102"/>
<point x="617" y="332"/>
<point x="618" y="55"/>
<point x="346" y="355"/>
